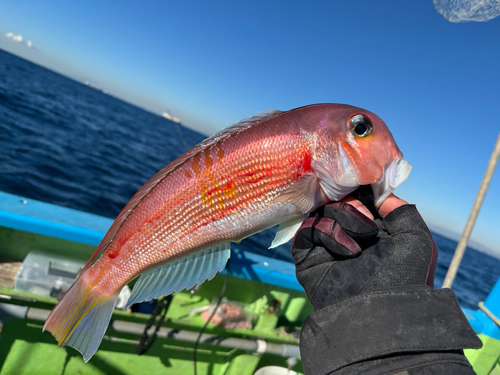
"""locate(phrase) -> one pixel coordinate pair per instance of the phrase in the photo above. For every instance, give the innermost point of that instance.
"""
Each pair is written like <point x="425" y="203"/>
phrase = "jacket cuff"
<point x="384" y="322"/>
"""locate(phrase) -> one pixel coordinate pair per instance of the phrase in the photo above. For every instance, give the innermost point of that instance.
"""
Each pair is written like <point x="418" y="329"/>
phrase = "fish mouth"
<point x="395" y="172"/>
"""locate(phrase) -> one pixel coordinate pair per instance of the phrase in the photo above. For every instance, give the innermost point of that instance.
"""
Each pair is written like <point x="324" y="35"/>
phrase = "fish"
<point x="272" y="168"/>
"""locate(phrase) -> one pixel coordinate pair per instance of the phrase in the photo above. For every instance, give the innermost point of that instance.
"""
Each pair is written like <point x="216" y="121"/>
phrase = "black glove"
<point x="371" y="284"/>
<point x="327" y="253"/>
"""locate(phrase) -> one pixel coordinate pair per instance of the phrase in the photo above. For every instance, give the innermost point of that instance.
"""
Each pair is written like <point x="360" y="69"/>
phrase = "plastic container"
<point x="47" y="275"/>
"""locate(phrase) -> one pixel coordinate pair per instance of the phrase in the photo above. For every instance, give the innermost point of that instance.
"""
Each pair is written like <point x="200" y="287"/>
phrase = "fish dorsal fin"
<point x="148" y="187"/>
<point x="287" y="230"/>
<point x="249" y="121"/>
<point x="180" y="274"/>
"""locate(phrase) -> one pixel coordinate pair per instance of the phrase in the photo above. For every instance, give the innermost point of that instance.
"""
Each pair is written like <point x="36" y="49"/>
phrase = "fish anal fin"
<point x="180" y="274"/>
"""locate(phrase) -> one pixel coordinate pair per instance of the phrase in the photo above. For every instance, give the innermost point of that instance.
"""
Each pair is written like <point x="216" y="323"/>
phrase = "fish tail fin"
<point x="80" y="318"/>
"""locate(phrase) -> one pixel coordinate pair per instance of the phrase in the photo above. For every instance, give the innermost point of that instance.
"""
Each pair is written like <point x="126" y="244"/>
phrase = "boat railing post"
<point x="462" y="244"/>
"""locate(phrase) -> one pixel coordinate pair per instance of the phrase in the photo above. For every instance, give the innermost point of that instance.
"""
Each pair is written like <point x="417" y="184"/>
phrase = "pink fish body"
<point x="272" y="168"/>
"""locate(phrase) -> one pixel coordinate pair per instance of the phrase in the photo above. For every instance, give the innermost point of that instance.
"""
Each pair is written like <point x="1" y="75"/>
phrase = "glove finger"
<point x="326" y="233"/>
<point x="354" y="223"/>
<point x="330" y="235"/>
<point x="413" y="238"/>
<point x="312" y="260"/>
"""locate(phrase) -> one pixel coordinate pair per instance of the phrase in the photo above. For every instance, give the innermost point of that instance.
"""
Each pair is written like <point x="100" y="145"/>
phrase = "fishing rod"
<point x="253" y="345"/>
<point x="462" y="244"/>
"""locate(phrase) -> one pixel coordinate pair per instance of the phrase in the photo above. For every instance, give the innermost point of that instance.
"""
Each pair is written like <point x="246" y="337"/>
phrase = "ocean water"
<point x="68" y="144"/>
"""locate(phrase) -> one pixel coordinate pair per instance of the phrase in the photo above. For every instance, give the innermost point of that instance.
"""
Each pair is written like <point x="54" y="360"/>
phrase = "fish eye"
<point x="361" y="126"/>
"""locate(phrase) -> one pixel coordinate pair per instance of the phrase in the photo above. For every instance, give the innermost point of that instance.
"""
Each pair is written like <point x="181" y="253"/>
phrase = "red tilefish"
<point x="175" y="233"/>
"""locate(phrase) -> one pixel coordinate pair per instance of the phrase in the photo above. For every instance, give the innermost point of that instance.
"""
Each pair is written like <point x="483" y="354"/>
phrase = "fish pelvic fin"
<point x="183" y="273"/>
<point x="287" y="230"/>
<point x="80" y="319"/>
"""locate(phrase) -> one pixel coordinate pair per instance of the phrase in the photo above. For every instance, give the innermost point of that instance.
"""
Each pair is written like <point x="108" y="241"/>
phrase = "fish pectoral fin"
<point x="302" y="193"/>
<point x="180" y="274"/>
<point x="287" y="230"/>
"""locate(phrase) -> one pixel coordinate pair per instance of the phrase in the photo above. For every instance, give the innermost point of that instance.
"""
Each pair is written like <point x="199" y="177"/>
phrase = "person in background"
<point x="370" y="277"/>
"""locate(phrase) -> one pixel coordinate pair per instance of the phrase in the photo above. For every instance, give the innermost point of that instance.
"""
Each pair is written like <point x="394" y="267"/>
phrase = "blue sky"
<point x="435" y="83"/>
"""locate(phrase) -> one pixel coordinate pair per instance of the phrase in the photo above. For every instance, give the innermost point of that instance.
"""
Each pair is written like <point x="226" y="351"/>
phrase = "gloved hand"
<point x="339" y="252"/>
<point x="371" y="284"/>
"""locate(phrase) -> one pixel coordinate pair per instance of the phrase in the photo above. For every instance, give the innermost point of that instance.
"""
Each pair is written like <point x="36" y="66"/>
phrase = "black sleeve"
<point x="412" y="329"/>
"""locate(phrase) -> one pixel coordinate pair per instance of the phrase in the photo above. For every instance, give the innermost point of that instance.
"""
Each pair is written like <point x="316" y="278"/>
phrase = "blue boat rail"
<point x="65" y="223"/>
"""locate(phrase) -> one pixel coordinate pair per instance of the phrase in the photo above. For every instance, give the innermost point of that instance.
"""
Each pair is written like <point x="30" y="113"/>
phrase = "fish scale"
<point x="272" y="168"/>
<point x="189" y="208"/>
